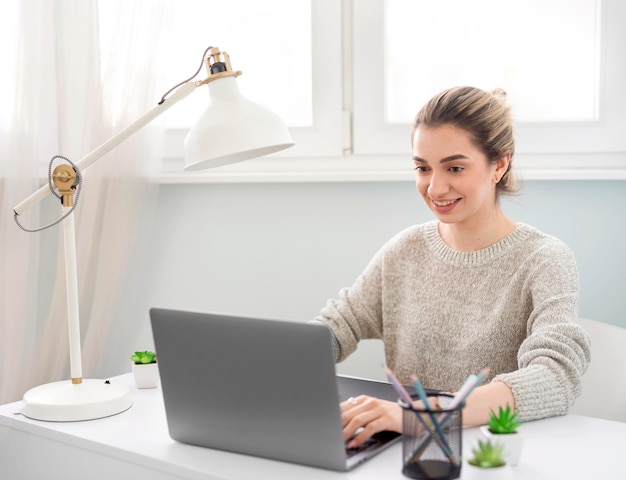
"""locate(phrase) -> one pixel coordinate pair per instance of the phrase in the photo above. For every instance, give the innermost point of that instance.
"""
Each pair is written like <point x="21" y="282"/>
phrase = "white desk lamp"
<point x="232" y="129"/>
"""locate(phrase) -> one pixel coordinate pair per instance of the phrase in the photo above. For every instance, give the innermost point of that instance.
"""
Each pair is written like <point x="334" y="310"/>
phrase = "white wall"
<point x="281" y="250"/>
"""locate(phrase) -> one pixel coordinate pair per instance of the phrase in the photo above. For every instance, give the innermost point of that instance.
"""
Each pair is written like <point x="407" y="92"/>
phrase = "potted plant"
<point x="488" y="462"/>
<point x="502" y="427"/>
<point x="145" y="369"/>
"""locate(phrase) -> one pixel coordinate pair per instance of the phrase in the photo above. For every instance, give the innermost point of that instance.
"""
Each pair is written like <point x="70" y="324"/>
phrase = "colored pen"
<point x="406" y="398"/>
<point x="398" y="387"/>
<point x="424" y="398"/>
<point x="468" y="386"/>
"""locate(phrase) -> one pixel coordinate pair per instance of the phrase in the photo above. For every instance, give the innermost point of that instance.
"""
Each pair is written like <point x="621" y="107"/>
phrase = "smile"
<point x="444" y="203"/>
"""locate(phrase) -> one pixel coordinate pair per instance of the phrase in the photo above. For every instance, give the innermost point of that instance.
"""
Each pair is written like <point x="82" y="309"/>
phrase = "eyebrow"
<point x="451" y="158"/>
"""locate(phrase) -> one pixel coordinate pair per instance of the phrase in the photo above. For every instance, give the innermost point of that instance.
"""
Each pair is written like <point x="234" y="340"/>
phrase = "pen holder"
<point x="432" y="442"/>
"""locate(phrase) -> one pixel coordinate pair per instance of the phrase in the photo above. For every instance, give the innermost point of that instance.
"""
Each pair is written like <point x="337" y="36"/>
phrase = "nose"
<point x="438" y="186"/>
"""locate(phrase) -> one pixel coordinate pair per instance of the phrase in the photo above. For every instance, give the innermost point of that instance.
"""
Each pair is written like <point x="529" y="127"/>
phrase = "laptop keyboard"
<point x="373" y="442"/>
<point x="369" y="443"/>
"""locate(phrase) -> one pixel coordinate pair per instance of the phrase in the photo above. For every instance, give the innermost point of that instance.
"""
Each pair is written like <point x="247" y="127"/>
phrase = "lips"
<point x="444" y="206"/>
<point x="444" y="203"/>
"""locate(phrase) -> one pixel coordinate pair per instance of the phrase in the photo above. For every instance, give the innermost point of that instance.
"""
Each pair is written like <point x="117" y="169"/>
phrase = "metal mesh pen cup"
<point x="432" y="442"/>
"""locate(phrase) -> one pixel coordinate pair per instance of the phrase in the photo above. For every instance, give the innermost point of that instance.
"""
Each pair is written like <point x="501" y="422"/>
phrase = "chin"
<point x="447" y="218"/>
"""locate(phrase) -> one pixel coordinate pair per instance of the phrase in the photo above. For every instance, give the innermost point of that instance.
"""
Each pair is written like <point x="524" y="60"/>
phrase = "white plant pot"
<point x="146" y="375"/>
<point x="472" y="472"/>
<point x="513" y="444"/>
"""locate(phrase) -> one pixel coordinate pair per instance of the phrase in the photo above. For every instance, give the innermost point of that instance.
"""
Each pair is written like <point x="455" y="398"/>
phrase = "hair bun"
<point x="500" y="95"/>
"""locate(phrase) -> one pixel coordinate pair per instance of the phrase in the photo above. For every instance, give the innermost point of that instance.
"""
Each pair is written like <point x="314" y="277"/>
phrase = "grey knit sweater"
<point x="444" y="314"/>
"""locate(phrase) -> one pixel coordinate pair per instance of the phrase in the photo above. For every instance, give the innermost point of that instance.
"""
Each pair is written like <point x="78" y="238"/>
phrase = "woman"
<point x="473" y="289"/>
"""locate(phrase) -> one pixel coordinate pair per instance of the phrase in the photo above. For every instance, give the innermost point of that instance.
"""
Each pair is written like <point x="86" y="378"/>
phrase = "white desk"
<point x="137" y="442"/>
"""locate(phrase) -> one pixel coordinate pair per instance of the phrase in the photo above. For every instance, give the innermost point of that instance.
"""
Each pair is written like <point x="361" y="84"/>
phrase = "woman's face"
<point x="454" y="177"/>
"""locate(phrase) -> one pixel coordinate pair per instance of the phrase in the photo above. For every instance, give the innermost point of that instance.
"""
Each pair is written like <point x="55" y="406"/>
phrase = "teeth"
<point x="444" y="204"/>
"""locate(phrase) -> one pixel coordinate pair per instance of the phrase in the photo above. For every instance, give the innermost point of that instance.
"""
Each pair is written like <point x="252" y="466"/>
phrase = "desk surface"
<point x="137" y="442"/>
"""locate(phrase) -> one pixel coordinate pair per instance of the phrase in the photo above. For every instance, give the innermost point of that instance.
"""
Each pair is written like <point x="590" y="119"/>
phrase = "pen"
<point x="398" y="387"/>
<point x="406" y="398"/>
<point x="468" y="386"/>
<point x="424" y="398"/>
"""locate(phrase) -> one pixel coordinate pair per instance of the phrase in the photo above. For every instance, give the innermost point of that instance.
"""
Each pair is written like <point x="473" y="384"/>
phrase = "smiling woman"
<point x="458" y="177"/>
<point x="486" y="120"/>
<point x="463" y="146"/>
<point x="469" y="291"/>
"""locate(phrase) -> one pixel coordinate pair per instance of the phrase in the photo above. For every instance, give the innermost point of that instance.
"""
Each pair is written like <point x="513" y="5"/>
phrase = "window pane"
<point x="273" y="54"/>
<point x="545" y="54"/>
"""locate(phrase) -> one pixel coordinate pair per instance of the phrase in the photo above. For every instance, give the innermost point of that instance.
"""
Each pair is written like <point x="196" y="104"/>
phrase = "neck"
<point x="476" y="234"/>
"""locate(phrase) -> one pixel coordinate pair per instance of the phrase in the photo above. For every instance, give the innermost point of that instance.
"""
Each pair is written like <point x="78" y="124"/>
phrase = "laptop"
<point x="259" y="387"/>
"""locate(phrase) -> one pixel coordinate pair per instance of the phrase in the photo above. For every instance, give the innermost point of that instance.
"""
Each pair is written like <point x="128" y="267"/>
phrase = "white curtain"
<point x="70" y="96"/>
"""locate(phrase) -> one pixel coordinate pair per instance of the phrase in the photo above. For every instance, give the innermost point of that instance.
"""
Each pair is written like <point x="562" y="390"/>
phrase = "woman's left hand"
<point x="370" y="415"/>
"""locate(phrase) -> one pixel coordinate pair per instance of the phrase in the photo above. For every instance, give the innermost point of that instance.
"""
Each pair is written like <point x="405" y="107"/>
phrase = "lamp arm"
<point x="113" y="142"/>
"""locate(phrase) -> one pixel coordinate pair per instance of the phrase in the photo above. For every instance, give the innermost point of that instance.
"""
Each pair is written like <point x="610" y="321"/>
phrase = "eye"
<point x="456" y="169"/>
<point x="421" y="169"/>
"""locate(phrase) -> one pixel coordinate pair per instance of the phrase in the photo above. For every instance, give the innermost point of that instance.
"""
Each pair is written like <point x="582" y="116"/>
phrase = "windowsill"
<point x="611" y="166"/>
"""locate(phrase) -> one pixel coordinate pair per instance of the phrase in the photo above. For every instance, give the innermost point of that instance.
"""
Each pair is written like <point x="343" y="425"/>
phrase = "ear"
<point x="501" y="166"/>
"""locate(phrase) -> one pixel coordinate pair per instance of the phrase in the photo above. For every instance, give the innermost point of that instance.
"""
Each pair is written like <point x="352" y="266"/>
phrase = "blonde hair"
<point x="484" y="115"/>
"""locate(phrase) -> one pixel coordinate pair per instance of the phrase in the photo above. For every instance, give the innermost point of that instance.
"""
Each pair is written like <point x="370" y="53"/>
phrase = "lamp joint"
<point x="64" y="178"/>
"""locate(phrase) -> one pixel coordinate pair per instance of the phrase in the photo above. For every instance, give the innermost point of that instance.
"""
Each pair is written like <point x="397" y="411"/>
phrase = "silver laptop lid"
<point x="254" y="386"/>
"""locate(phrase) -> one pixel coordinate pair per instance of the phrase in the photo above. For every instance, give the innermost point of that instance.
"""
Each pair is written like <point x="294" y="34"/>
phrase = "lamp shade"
<point x="233" y="129"/>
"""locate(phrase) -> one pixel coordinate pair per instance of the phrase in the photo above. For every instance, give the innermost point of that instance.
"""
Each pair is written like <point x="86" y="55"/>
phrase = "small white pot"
<point x="513" y="444"/>
<point x="472" y="472"/>
<point x="146" y="375"/>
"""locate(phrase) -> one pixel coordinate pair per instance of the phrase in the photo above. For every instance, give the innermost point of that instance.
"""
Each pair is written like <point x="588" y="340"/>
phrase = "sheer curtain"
<point x="69" y="96"/>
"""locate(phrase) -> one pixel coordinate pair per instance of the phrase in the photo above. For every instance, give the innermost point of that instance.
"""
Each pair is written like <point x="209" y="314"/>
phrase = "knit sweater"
<point x="444" y="314"/>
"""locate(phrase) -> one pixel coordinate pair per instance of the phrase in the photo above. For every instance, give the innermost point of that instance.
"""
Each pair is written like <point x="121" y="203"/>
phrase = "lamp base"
<point x="68" y="402"/>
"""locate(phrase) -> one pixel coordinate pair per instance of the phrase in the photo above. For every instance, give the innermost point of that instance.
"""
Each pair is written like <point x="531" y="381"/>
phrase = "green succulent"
<point x="505" y="421"/>
<point x="144" y="357"/>
<point x="487" y="455"/>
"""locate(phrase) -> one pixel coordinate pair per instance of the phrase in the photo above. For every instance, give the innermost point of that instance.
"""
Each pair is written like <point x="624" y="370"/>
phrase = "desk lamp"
<point x="232" y="129"/>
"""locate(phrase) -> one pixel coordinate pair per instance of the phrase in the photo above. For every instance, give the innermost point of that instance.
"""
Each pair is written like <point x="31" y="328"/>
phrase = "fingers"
<point x="352" y="402"/>
<point x="359" y="435"/>
<point x="354" y="415"/>
<point x="364" y="416"/>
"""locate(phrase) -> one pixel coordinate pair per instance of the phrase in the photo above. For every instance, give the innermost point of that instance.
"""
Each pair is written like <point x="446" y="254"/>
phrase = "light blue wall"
<point x="281" y="250"/>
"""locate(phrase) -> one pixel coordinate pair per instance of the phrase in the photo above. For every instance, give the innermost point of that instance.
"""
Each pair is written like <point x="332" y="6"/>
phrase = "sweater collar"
<point x="478" y="257"/>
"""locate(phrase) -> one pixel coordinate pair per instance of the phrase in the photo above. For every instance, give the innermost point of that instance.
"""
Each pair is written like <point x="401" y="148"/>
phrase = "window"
<point x="560" y="61"/>
<point x="543" y="53"/>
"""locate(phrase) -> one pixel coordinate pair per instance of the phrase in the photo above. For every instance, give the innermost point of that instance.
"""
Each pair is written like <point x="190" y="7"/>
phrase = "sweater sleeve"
<point x="556" y="351"/>
<point x="357" y="313"/>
